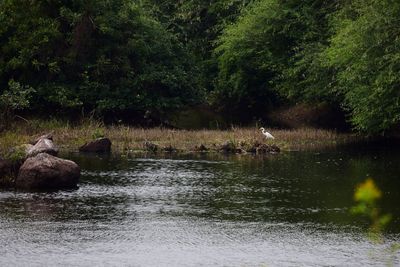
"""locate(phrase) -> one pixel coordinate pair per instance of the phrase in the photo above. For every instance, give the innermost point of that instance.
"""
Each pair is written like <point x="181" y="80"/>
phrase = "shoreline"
<point x="126" y="139"/>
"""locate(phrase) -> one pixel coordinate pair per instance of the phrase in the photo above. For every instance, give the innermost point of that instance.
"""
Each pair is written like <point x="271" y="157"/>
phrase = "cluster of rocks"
<point x="228" y="147"/>
<point x="36" y="166"/>
<point x="151" y="147"/>
<point x="254" y="148"/>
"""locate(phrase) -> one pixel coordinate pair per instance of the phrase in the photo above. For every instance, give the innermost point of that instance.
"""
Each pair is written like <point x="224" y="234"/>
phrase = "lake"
<point x="289" y="209"/>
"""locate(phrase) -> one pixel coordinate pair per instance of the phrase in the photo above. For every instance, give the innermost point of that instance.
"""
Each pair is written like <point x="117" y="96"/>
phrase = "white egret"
<point x="266" y="134"/>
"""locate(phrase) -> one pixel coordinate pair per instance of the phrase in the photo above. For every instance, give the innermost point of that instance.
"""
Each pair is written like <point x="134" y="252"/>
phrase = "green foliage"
<point x="245" y="57"/>
<point x="366" y="195"/>
<point x="365" y="52"/>
<point x="16" y="97"/>
<point x="198" y="23"/>
<point x="253" y="53"/>
<point x="17" y="154"/>
<point x="98" y="133"/>
<point x="344" y="52"/>
<point x="306" y="77"/>
<point x="101" y="55"/>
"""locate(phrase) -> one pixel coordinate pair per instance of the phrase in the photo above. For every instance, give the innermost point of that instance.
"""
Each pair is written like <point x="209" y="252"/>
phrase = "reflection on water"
<point x="290" y="209"/>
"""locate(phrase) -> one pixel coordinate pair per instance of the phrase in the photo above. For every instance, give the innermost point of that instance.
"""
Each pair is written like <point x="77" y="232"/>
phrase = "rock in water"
<point x="100" y="145"/>
<point x="169" y="149"/>
<point x="46" y="172"/>
<point x="43" y="146"/>
<point x="264" y="149"/>
<point x="148" y="146"/>
<point x="229" y="147"/>
<point x="201" y="148"/>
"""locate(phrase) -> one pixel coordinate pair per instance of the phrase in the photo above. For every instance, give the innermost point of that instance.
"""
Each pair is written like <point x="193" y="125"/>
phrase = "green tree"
<point x="108" y="56"/>
<point x="365" y="53"/>
<point x="307" y="78"/>
<point x="261" y="53"/>
<point x="15" y="97"/>
<point x="198" y="24"/>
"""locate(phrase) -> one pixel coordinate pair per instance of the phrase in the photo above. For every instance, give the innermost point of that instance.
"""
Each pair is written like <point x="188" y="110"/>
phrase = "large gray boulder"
<point x="100" y="145"/>
<point x="43" y="146"/>
<point x="47" y="172"/>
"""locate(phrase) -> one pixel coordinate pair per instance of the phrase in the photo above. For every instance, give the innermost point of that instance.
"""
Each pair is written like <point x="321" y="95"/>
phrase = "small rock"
<point x="150" y="146"/>
<point x="201" y="148"/>
<point x="45" y="136"/>
<point x="264" y="149"/>
<point x="274" y="149"/>
<point x="100" y="145"/>
<point x="43" y="146"/>
<point x="229" y="147"/>
<point x="251" y="149"/>
<point x="47" y="172"/>
<point x="169" y="149"/>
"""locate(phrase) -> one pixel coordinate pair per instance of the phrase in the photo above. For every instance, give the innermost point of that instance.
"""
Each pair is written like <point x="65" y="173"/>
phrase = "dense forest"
<point x="127" y="58"/>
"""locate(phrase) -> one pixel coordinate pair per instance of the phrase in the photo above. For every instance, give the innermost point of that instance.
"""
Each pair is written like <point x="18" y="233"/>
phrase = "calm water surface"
<point x="290" y="209"/>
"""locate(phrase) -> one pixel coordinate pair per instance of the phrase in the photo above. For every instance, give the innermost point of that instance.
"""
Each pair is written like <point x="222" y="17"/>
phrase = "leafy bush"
<point x="365" y="51"/>
<point x="97" y="55"/>
<point x="16" y="97"/>
<point x="125" y="59"/>
<point x="366" y="196"/>
<point x="268" y="51"/>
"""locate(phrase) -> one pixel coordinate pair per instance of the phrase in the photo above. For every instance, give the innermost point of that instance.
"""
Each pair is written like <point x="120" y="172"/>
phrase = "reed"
<point x="125" y="138"/>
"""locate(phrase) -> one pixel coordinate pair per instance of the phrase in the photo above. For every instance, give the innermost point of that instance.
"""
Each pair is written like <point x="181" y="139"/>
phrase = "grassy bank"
<point x="70" y="137"/>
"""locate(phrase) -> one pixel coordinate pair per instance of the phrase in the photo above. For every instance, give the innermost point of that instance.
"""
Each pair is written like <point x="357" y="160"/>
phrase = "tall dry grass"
<point x="126" y="138"/>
